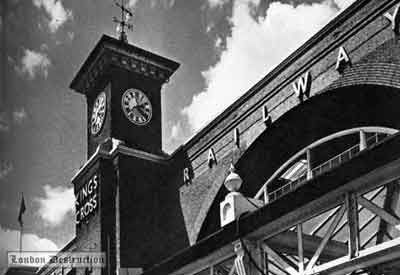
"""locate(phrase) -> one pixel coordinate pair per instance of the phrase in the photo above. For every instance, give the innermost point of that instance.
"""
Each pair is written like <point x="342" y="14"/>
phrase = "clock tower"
<point x="122" y="84"/>
<point x="120" y="187"/>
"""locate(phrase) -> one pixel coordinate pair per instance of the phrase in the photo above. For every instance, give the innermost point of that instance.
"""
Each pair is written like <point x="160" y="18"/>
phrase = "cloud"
<point x="218" y="42"/>
<point x="56" y="11"/>
<point x="176" y="131"/>
<point x="6" y="167"/>
<point x="169" y="3"/>
<point x="219" y="3"/>
<point x="342" y="4"/>
<point x="33" y="63"/>
<point x="44" y="47"/>
<point x="9" y="241"/>
<point x="71" y="35"/>
<point x="254" y="47"/>
<point x="153" y="3"/>
<point x="19" y="115"/>
<point x="132" y="3"/>
<point x="216" y="3"/>
<point x="4" y="123"/>
<point x="57" y="203"/>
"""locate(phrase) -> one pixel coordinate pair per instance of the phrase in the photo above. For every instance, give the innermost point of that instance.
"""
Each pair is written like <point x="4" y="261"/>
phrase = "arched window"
<point x="319" y="157"/>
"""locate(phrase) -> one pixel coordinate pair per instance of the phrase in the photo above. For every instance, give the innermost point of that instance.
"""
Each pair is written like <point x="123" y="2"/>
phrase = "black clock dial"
<point x="136" y="106"/>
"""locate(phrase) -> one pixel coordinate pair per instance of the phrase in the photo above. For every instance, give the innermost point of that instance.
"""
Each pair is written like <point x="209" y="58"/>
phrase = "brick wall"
<point x="372" y="46"/>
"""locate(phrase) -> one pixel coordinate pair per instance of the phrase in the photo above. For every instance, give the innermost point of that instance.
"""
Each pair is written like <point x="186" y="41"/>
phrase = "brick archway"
<point x="373" y="73"/>
<point x="352" y="101"/>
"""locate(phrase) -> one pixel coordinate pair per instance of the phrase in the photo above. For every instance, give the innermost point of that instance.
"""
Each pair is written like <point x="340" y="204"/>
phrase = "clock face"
<point x="136" y="106"/>
<point x="98" y="114"/>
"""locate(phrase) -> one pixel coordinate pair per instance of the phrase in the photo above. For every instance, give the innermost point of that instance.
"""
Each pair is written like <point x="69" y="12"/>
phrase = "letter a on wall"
<point x="394" y="19"/>
<point x="211" y="158"/>
<point x="343" y="60"/>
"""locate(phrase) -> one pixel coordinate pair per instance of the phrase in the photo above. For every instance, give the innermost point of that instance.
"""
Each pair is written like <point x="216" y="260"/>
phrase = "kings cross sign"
<point x="86" y="199"/>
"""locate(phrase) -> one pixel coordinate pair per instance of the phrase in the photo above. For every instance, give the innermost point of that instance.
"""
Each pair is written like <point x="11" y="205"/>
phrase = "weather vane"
<point x="126" y="14"/>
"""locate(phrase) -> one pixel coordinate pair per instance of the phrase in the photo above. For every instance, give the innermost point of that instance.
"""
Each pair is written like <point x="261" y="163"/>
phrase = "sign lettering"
<point x="266" y="116"/>
<point x="342" y="60"/>
<point x="86" y="199"/>
<point x="302" y="86"/>
<point x="211" y="158"/>
<point x="394" y="19"/>
<point x="236" y="137"/>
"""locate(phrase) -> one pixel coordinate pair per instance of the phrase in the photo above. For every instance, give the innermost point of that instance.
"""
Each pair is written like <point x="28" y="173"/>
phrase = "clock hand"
<point x="143" y="105"/>
<point x="134" y="111"/>
<point x="136" y="102"/>
<point x="132" y="103"/>
<point x="139" y="109"/>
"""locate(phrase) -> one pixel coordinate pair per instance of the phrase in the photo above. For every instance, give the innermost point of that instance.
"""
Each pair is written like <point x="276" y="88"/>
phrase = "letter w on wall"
<point x="302" y="87"/>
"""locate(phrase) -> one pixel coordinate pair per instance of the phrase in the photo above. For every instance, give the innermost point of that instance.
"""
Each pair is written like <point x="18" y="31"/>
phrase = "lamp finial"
<point x="233" y="182"/>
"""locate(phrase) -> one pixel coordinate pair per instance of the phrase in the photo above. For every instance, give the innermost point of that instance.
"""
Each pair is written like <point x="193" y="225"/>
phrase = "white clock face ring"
<point x="98" y="114"/>
<point x="136" y="106"/>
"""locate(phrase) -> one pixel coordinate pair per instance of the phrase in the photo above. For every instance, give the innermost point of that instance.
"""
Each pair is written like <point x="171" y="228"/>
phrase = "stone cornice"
<point x="117" y="148"/>
<point x="112" y="52"/>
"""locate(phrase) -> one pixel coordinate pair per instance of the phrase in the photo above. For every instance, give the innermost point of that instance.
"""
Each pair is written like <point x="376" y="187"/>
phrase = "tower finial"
<point x="126" y="14"/>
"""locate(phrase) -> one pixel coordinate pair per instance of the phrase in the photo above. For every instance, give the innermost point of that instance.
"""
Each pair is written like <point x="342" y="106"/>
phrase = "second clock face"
<point x="98" y="114"/>
<point x="136" y="106"/>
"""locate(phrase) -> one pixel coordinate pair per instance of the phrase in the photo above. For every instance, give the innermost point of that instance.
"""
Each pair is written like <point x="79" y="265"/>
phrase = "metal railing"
<point x="287" y="188"/>
<point x="324" y="167"/>
<point x="336" y="161"/>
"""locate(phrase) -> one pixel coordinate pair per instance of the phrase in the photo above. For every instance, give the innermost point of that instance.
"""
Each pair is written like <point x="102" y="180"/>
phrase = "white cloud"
<point x="6" y="167"/>
<point x="210" y="26"/>
<point x="44" y="47"/>
<point x="132" y="3"/>
<point x="56" y="11"/>
<point x="342" y="4"/>
<point x="19" y="115"/>
<point x="176" y="131"/>
<point x="217" y="3"/>
<point x="218" y="42"/>
<point x="253" y="49"/>
<point x="153" y="3"/>
<point x="4" y="124"/>
<point x="169" y="3"/>
<point x="9" y="241"/>
<point x="33" y="63"/>
<point x="71" y="35"/>
<point x="57" y="203"/>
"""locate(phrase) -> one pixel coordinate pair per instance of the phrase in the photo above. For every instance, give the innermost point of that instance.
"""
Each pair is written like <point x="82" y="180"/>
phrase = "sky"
<point x="224" y="47"/>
